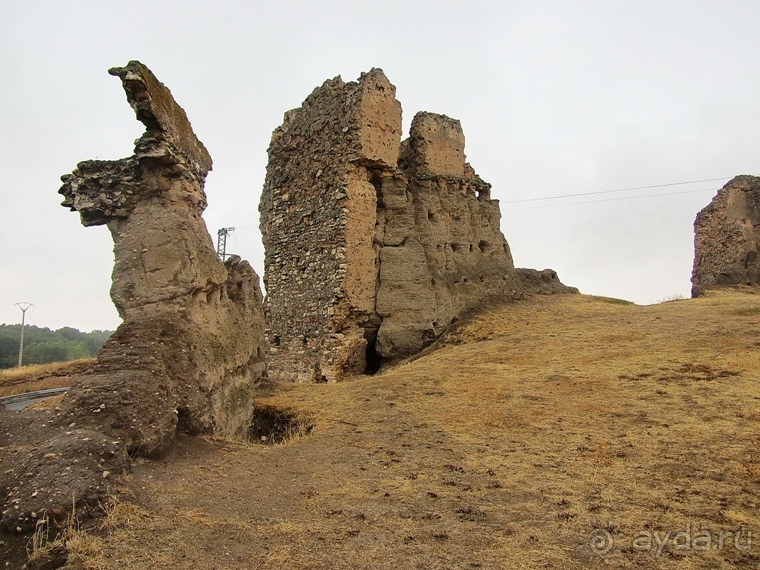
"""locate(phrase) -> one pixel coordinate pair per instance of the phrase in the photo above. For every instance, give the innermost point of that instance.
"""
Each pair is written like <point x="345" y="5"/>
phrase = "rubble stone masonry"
<point x="727" y="237"/>
<point x="373" y="246"/>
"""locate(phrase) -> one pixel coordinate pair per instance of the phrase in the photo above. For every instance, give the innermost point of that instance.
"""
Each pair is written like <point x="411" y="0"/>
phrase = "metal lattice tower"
<point x="221" y="243"/>
<point x="24" y="306"/>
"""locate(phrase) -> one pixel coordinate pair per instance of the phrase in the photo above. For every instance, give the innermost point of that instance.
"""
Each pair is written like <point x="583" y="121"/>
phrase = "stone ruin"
<point x="190" y="350"/>
<point x="374" y="246"/>
<point x="727" y="237"/>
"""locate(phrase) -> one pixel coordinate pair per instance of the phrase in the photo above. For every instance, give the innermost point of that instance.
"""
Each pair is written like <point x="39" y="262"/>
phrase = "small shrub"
<point x="612" y="300"/>
<point x="70" y="545"/>
<point x="671" y="298"/>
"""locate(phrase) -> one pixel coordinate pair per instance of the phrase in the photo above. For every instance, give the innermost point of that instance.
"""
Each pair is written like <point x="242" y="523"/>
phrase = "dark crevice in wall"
<point x="372" y="326"/>
<point x="373" y="359"/>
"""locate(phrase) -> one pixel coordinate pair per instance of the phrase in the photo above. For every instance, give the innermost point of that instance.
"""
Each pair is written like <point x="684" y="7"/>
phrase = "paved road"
<point x="21" y="401"/>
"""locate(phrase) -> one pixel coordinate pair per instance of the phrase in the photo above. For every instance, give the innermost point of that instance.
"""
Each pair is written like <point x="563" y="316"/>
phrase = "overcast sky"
<point x="555" y="98"/>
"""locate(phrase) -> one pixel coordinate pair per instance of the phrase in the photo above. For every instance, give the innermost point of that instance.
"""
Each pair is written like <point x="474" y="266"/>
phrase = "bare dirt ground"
<point x="561" y="432"/>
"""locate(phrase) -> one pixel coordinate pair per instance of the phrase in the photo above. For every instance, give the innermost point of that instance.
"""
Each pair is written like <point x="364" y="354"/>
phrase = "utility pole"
<point x="24" y="308"/>
<point x="221" y="243"/>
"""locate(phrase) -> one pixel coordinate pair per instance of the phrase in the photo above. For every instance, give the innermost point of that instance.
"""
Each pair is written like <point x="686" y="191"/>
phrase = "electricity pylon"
<point x="24" y="306"/>
<point x="221" y="244"/>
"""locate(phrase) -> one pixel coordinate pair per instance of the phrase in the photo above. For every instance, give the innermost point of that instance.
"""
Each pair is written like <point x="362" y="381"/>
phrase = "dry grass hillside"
<point x="41" y="376"/>
<point x="560" y="432"/>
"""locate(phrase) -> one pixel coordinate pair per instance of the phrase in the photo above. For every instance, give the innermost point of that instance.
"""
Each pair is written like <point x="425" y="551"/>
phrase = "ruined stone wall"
<point x="727" y="237"/>
<point x="373" y="246"/>
<point x="442" y="249"/>
<point x="190" y="350"/>
<point x="317" y="220"/>
<point x="191" y="346"/>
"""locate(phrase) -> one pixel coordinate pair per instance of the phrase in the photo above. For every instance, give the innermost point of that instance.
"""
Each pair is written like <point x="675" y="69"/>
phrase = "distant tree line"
<point x="42" y="345"/>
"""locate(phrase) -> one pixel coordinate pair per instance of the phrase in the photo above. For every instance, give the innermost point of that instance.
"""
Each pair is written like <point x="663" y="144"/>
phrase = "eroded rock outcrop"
<point x="373" y="245"/>
<point x="191" y="347"/>
<point x="192" y="332"/>
<point x="727" y="237"/>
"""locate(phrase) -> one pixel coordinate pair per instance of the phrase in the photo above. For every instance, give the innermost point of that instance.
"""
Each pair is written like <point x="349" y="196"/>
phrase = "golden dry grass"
<point x="46" y="403"/>
<point x="41" y="376"/>
<point x="533" y="434"/>
<point x="82" y="549"/>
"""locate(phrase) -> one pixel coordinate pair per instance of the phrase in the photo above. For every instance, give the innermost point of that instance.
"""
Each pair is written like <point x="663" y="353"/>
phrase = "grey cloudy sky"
<point x="555" y="97"/>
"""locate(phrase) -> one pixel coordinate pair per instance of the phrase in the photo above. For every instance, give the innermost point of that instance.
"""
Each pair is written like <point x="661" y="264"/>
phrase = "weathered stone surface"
<point x="191" y="348"/>
<point x="443" y="251"/>
<point x="318" y="212"/>
<point x="193" y="326"/>
<point x="727" y="237"/>
<point x="544" y="282"/>
<point x="436" y="145"/>
<point x="373" y="245"/>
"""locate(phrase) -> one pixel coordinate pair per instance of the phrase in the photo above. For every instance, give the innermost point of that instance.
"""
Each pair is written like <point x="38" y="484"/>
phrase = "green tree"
<point x="42" y="345"/>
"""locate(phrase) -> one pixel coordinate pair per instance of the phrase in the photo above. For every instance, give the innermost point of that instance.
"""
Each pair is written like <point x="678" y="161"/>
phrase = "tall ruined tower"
<point x="373" y="246"/>
<point x="318" y="212"/>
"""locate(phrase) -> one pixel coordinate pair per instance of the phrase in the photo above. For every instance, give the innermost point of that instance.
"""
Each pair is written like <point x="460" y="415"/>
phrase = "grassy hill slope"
<point x="556" y="432"/>
<point x="41" y="376"/>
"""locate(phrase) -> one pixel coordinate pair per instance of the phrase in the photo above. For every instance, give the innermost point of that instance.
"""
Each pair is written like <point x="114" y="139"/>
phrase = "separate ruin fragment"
<point x="191" y="348"/>
<point x="374" y="246"/>
<point x="192" y="336"/>
<point x="727" y="237"/>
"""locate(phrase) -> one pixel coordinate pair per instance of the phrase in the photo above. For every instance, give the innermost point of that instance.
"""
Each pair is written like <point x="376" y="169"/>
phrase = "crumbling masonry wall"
<point x="191" y="346"/>
<point x="442" y="251"/>
<point x="190" y="350"/>
<point x="727" y="237"/>
<point x="318" y="213"/>
<point x="373" y="246"/>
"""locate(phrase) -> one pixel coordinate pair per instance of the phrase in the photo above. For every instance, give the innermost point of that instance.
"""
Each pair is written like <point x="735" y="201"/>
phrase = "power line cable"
<point x="617" y="190"/>
<point x="613" y="199"/>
